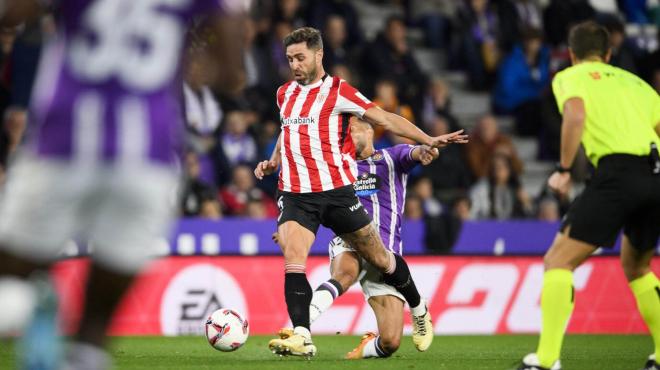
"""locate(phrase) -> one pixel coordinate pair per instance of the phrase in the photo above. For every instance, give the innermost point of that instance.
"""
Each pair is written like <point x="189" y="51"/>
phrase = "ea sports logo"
<point x="193" y="294"/>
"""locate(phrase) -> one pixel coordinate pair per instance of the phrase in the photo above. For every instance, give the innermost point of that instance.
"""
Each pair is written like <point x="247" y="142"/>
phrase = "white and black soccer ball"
<point x="227" y="330"/>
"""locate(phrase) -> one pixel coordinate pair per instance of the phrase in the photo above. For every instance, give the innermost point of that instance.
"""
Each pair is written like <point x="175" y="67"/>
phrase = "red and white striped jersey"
<point x="317" y="149"/>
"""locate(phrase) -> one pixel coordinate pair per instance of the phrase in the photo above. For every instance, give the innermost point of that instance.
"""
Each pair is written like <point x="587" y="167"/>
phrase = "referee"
<point x="616" y="117"/>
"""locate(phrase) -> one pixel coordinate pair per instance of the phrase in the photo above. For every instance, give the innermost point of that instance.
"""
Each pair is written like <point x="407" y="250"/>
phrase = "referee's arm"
<point x="571" y="130"/>
<point x="571" y="135"/>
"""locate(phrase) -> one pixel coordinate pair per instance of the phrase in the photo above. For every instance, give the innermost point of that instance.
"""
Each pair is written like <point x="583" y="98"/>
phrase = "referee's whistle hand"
<point x="560" y="182"/>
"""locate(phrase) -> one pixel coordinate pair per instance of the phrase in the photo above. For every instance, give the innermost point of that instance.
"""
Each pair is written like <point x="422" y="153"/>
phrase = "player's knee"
<point x="390" y="343"/>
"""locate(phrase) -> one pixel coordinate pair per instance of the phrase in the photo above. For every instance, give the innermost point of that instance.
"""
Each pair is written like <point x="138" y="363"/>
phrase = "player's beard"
<point x="311" y="76"/>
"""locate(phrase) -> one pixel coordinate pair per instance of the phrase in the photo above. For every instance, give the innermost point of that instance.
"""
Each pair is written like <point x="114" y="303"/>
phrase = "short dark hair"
<point x="589" y="39"/>
<point x="309" y="35"/>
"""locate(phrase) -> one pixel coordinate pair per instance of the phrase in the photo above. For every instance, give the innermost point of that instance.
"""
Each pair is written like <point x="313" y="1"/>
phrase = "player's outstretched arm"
<point x="13" y="12"/>
<point x="402" y="127"/>
<point x="265" y="168"/>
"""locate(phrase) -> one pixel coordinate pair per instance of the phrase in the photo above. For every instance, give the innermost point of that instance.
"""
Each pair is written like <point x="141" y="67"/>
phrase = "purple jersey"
<point x="381" y="186"/>
<point x="109" y="84"/>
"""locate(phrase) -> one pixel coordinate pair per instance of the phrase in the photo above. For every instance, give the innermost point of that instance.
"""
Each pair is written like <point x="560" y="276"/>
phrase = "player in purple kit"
<point x="381" y="188"/>
<point x="99" y="164"/>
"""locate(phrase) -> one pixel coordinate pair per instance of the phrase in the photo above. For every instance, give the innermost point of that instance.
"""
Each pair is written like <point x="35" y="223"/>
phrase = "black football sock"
<point x="298" y="295"/>
<point x="403" y="282"/>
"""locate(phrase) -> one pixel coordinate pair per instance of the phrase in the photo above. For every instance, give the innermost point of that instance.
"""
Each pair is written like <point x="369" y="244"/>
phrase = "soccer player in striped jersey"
<point x="315" y="185"/>
<point x="381" y="187"/>
<point x="100" y="162"/>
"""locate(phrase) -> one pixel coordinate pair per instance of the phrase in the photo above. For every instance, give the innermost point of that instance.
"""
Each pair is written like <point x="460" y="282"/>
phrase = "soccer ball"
<point x="226" y="330"/>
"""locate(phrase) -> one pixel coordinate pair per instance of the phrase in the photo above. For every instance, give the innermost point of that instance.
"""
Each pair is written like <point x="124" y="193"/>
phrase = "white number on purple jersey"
<point x="135" y="41"/>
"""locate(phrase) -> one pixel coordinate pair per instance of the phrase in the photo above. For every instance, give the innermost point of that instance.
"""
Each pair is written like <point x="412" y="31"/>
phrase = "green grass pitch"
<point x="581" y="352"/>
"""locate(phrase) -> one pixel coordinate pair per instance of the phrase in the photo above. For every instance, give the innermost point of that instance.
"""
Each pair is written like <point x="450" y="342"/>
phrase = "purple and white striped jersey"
<point x="109" y="84"/>
<point x="381" y="187"/>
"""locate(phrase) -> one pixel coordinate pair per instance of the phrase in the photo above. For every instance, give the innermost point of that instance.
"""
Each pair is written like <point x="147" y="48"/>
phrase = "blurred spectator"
<point x="237" y="144"/>
<point x="241" y="190"/>
<point x="434" y="18"/>
<point x="522" y="77"/>
<point x="650" y="64"/>
<point x="336" y="49"/>
<point x="515" y="16"/>
<point x="342" y="71"/>
<point x="623" y="51"/>
<point x="261" y="73"/>
<point x="198" y="198"/>
<point x="413" y="208"/>
<point x="320" y="10"/>
<point x="485" y="142"/>
<point x="548" y="210"/>
<point x="636" y="11"/>
<point x="501" y="195"/>
<point x="389" y="57"/>
<point x="437" y="102"/>
<point x="462" y="208"/>
<point x="449" y="173"/>
<point x="203" y="113"/>
<point x="255" y="209"/>
<point x="275" y="49"/>
<point x="476" y="43"/>
<point x="560" y="15"/>
<point x="442" y="225"/>
<point x="290" y="11"/>
<point x="386" y="98"/>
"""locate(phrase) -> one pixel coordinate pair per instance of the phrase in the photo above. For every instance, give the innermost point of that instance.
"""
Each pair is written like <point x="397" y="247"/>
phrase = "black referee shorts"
<point x="623" y="193"/>
<point x="338" y="209"/>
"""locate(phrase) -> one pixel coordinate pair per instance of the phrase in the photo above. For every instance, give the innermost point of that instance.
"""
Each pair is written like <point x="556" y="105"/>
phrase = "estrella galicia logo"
<point x="367" y="184"/>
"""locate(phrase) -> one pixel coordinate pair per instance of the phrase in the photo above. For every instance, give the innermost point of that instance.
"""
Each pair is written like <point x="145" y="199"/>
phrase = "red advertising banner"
<point x="467" y="295"/>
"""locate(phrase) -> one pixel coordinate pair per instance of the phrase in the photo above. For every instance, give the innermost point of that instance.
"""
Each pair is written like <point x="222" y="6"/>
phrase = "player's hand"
<point x="456" y="137"/>
<point x="560" y="182"/>
<point x="428" y="154"/>
<point x="276" y="237"/>
<point x="265" y="168"/>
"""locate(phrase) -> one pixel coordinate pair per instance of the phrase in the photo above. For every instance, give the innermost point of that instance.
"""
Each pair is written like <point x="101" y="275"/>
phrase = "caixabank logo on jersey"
<point x="367" y="184"/>
<point x="193" y="294"/>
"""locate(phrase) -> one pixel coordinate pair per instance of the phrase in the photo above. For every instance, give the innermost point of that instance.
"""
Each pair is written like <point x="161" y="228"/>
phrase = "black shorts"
<point x="623" y="193"/>
<point x="338" y="209"/>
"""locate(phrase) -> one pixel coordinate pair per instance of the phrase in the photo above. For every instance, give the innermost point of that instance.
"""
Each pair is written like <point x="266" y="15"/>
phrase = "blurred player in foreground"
<point x="106" y="115"/>
<point x="381" y="188"/>
<point x="616" y="117"/>
<point x="316" y="183"/>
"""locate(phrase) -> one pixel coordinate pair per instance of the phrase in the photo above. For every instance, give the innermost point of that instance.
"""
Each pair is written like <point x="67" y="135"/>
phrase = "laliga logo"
<point x="193" y="294"/>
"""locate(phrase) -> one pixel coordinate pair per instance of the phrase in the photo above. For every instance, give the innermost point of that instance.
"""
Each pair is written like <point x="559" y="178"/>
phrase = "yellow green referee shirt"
<point x="621" y="109"/>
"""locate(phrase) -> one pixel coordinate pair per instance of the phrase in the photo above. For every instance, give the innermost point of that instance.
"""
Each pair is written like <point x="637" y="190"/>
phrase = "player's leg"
<point x="639" y="240"/>
<point x="389" y="317"/>
<point x="295" y="241"/>
<point x="297" y="226"/>
<point x="344" y="271"/>
<point x="127" y="214"/>
<point x="396" y="272"/>
<point x="37" y="215"/>
<point x="558" y="295"/>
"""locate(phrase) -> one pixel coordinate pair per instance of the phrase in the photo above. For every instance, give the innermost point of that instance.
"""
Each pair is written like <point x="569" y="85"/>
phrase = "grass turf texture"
<point x="584" y="352"/>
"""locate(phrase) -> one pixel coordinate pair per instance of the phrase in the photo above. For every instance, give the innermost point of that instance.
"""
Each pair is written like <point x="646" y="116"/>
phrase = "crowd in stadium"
<point x="509" y="48"/>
